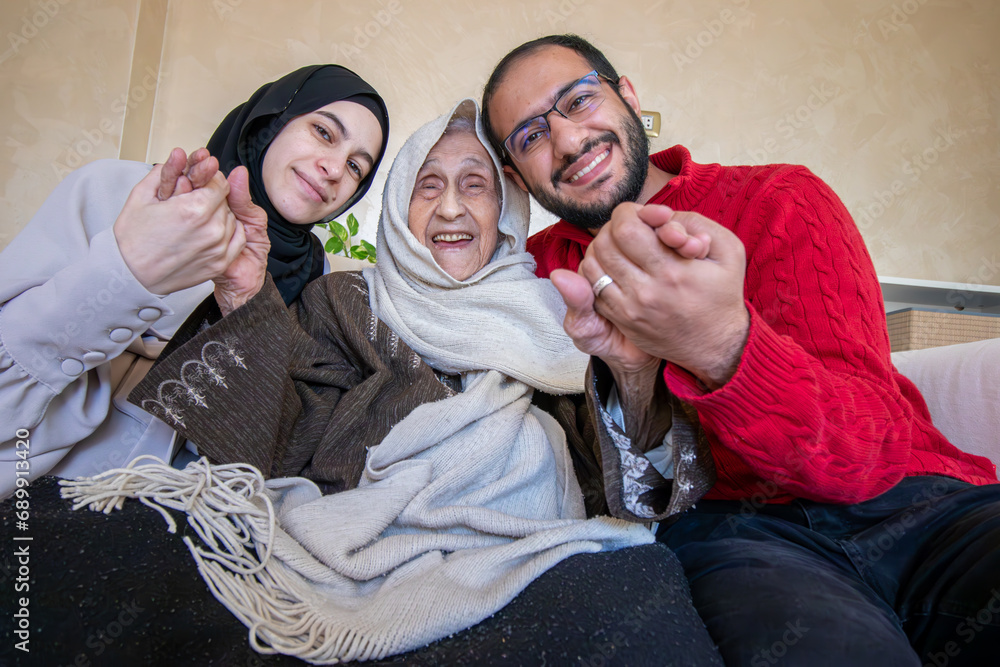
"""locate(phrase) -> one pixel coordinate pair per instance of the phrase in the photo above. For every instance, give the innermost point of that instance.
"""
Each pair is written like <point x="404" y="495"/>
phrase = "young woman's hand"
<point x="244" y="277"/>
<point x="181" y="242"/>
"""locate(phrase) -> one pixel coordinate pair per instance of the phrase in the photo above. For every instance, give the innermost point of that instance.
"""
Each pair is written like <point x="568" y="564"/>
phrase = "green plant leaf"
<point x="343" y="238"/>
<point x="352" y="224"/>
<point x="334" y="245"/>
<point x="357" y="252"/>
<point x="370" y="248"/>
<point x="337" y="229"/>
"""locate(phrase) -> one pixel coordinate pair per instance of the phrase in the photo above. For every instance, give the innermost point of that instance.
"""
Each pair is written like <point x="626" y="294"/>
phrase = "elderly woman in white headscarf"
<point x="406" y="394"/>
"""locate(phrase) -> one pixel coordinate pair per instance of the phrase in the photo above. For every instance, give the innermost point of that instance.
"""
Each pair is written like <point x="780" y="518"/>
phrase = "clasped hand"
<point x="185" y="223"/>
<point x="677" y="294"/>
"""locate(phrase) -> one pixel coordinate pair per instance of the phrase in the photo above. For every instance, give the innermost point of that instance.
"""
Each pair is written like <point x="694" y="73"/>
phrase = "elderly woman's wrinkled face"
<point x="455" y="206"/>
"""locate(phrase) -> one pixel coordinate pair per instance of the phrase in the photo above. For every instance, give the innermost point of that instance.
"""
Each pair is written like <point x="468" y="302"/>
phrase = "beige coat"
<point x="77" y="331"/>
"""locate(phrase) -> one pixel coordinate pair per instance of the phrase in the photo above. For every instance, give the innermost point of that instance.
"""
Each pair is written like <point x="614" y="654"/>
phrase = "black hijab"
<point x="296" y="255"/>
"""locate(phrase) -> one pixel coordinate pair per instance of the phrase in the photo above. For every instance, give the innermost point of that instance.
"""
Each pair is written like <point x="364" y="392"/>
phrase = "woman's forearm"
<point x="645" y="405"/>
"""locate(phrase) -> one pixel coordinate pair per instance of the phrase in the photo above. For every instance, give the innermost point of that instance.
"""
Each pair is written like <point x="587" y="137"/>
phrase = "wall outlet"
<point x="650" y="122"/>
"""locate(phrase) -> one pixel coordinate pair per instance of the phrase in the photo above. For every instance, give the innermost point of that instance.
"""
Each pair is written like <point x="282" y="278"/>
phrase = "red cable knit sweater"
<point x="815" y="410"/>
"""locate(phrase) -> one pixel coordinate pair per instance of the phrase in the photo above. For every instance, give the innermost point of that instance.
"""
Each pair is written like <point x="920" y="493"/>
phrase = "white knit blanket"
<point x="437" y="537"/>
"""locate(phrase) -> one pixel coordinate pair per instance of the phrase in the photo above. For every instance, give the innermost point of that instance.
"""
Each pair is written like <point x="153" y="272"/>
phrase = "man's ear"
<point x="510" y="171"/>
<point x="627" y="91"/>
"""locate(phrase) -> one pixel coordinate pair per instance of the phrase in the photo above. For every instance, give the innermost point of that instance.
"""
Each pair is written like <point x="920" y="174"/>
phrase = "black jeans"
<point x="911" y="577"/>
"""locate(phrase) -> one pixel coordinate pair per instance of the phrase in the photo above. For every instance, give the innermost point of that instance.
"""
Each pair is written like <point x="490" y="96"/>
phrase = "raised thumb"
<point x="575" y="291"/>
<point x="239" y="191"/>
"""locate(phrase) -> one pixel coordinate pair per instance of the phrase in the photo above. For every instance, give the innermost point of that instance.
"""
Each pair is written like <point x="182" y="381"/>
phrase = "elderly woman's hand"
<point x="636" y="373"/>
<point x="182" y="173"/>
<point x="244" y="277"/>
<point x="592" y="333"/>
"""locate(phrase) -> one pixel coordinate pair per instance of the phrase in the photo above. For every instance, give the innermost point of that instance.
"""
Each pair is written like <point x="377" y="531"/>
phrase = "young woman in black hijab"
<point x="108" y="268"/>
<point x="342" y="107"/>
<point x="244" y="137"/>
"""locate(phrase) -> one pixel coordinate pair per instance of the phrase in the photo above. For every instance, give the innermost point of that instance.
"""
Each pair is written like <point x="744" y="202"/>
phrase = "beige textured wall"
<point x="64" y="73"/>
<point x="893" y="102"/>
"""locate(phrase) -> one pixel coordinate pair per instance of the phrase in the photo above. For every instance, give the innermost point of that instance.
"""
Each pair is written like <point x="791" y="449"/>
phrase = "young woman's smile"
<point x="318" y="160"/>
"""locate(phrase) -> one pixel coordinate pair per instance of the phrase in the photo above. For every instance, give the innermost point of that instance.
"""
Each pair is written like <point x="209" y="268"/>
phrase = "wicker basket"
<point x="919" y="328"/>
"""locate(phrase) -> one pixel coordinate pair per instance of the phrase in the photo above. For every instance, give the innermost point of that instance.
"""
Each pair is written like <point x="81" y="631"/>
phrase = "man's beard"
<point x="593" y="216"/>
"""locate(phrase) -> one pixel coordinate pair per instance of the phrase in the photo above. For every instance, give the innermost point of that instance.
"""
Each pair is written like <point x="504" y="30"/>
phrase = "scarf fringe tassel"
<point x="229" y="510"/>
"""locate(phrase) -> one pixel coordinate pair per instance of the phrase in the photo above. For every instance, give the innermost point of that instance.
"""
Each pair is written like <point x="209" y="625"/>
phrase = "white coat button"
<point x="121" y="335"/>
<point x="94" y="357"/>
<point x="72" y="367"/>
<point x="149" y="314"/>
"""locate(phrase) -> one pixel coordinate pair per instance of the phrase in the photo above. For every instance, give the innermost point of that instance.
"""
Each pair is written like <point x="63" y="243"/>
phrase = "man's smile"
<point x="586" y="170"/>
<point x="588" y="164"/>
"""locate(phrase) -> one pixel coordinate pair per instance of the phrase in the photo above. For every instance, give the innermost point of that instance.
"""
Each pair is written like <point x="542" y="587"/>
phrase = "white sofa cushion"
<point x="961" y="384"/>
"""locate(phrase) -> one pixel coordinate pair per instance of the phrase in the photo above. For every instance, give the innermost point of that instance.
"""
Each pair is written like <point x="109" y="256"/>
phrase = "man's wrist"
<point x="727" y="363"/>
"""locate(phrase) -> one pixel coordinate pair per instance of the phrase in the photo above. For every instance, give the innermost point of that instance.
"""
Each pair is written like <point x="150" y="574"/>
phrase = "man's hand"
<point x="181" y="242"/>
<point x="245" y="276"/>
<point x="678" y="287"/>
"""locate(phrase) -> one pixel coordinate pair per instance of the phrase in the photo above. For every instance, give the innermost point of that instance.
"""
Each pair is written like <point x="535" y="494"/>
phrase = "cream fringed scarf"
<point x="463" y="504"/>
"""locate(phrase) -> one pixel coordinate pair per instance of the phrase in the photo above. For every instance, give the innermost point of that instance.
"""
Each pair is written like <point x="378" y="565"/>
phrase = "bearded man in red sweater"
<point x="843" y="528"/>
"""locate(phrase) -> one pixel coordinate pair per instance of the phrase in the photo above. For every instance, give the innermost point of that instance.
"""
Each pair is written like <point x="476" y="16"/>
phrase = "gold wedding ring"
<point x="601" y="283"/>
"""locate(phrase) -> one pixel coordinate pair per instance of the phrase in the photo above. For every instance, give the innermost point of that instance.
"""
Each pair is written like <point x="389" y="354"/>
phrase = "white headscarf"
<point x="501" y="318"/>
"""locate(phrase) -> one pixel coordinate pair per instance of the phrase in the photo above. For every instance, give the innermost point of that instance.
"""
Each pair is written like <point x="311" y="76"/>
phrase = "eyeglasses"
<point x="576" y="104"/>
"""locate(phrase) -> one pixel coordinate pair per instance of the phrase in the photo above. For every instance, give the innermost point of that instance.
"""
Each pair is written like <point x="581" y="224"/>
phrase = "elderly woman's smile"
<point x="455" y="205"/>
